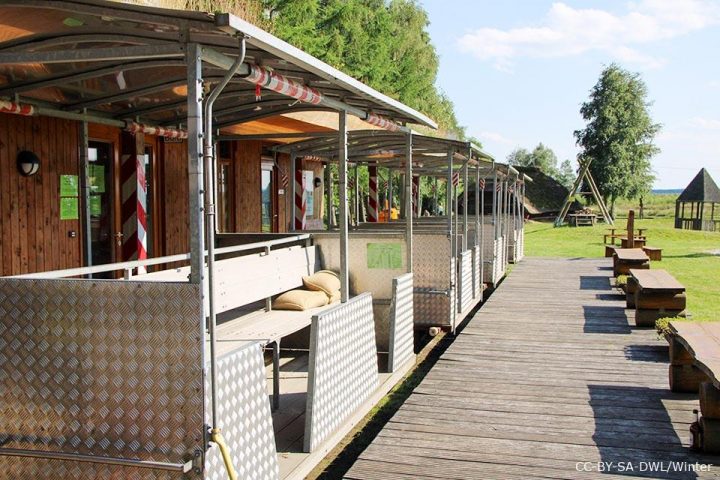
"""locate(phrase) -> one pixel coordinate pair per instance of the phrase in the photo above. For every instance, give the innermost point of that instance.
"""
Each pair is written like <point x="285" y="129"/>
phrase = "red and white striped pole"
<point x="373" y="198"/>
<point x="299" y="198"/>
<point x="134" y="197"/>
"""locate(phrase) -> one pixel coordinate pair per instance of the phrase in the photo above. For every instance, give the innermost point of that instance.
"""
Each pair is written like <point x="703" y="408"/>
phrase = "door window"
<point x="100" y="175"/>
<point x="267" y="200"/>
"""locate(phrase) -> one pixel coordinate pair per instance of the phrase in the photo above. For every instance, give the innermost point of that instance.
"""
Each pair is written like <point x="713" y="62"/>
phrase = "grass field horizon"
<point x="692" y="257"/>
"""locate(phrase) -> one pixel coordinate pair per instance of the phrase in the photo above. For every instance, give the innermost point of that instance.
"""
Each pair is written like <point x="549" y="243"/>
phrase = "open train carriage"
<point x="446" y="257"/>
<point x="117" y="357"/>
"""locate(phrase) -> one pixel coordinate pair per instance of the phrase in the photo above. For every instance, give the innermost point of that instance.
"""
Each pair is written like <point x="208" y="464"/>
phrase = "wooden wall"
<point x="174" y="197"/>
<point x="32" y="236"/>
<point x="285" y="202"/>
<point x="247" y="169"/>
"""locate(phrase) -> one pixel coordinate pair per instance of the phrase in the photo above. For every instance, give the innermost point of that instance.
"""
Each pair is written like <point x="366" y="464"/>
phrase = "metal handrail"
<point x="76" y="457"/>
<point x="129" y="265"/>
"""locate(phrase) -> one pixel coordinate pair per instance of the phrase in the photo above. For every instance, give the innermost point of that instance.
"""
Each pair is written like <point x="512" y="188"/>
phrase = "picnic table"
<point x="578" y="219"/>
<point x="612" y="235"/>
<point x="655" y="294"/>
<point x="626" y="258"/>
<point x="695" y="367"/>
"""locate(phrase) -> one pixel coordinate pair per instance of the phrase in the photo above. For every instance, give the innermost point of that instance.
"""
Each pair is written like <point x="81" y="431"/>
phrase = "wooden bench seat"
<point x="246" y="280"/>
<point x="655" y="294"/>
<point x="654" y="253"/>
<point x="695" y="367"/>
<point x="626" y="258"/>
<point x="638" y="242"/>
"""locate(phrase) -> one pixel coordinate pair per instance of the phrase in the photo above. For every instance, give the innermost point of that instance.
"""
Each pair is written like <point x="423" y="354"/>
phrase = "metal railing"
<point x="129" y="266"/>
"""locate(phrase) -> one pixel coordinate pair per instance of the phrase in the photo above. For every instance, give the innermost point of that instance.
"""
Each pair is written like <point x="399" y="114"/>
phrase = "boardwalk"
<point x="550" y="374"/>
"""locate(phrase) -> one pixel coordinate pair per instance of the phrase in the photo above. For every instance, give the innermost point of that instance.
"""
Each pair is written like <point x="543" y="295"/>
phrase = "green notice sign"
<point x="384" y="255"/>
<point x="68" y="185"/>
<point x="69" y="208"/>
<point x="95" y="205"/>
<point x="97" y="178"/>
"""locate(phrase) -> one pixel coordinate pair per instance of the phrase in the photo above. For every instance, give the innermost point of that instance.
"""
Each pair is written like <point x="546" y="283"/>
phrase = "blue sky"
<point x="518" y="72"/>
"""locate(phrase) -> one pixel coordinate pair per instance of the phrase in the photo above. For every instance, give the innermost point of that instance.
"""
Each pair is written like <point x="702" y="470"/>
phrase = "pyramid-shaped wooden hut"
<point x="696" y="205"/>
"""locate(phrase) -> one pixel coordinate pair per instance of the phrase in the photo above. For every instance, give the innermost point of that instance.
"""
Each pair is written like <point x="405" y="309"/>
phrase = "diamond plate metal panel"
<point x="377" y="281"/>
<point x="402" y="337"/>
<point x="343" y="370"/>
<point x="489" y="253"/>
<point x="107" y="368"/>
<point x="465" y="289"/>
<point x="244" y="417"/>
<point x="434" y="280"/>
<point x="477" y="273"/>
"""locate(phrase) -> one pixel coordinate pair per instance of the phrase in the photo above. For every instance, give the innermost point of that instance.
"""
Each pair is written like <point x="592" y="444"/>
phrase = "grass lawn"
<point x="687" y="255"/>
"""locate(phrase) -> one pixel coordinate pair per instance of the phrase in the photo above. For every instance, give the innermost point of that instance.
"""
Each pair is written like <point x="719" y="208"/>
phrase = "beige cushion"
<point x="324" y="281"/>
<point x="300" y="300"/>
<point x="335" y="297"/>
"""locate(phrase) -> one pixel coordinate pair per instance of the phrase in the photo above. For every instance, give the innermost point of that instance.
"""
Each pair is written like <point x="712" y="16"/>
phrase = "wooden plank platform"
<point x="548" y="375"/>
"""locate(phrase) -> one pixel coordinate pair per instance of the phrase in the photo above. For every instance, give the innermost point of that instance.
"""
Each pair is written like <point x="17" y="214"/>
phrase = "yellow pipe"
<point x="218" y="439"/>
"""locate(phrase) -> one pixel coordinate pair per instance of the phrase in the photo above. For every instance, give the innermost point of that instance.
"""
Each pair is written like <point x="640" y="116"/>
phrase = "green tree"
<point x="619" y="134"/>
<point x="566" y="174"/>
<point x="542" y="158"/>
<point x="384" y="43"/>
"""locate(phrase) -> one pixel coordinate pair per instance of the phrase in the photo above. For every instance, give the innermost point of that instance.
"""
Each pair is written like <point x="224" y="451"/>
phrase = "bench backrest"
<point x="249" y="278"/>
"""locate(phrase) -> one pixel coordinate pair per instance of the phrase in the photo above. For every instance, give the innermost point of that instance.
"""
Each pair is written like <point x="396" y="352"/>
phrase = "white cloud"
<point x="705" y="123"/>
<point x="567" y="31"/>
<point x="495" y="137"/>
<point x="714" y="84"/>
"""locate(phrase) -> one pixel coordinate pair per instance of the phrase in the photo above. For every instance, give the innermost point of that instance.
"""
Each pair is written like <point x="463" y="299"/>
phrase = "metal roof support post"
<point x="495" y="206"/>
<point x="342" y="170"/>
<point x="448" y="200"/>
<point x="293" y="188"/>
<point x="195" y="179"/>
<point x="209" y="194"/>
<point x="482" y="236"/>
<point x="408" y="202"/>
<point x="328" y="196"/>
<point x="477" y="205"/>
<point x="457" y="214"/>
<point x="356" y="192"/>
<point x="195" y="164"/>
<point x="504" y="215"/>
<point x="85" y="176"/>
<point x="465" y="204"/>
<point x="419" y="210"/>
<point x="390" y="195"/>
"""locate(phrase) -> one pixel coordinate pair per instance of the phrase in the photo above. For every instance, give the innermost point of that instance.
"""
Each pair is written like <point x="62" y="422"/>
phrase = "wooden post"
<point x="631" y="229"/>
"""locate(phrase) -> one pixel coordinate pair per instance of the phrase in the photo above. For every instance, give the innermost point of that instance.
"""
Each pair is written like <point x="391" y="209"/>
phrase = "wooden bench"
<point x="638" y="242"/>
<point x="580" y="219"/>
<point x="612" y="235"/>
<point x="626" y="258"/>
<point x="695" y="368"/>
<point x="654" y="253"/>
<point x="249" y="279"/>
<point x="656" y="294"/>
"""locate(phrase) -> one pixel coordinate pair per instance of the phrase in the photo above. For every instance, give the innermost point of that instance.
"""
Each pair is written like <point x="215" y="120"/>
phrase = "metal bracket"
<point x="76" y="457"/>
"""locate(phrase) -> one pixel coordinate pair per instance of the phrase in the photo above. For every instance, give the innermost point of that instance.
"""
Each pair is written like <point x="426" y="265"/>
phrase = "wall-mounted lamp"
<point x="317" y="182"/>
<point x="28" y="163"/>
